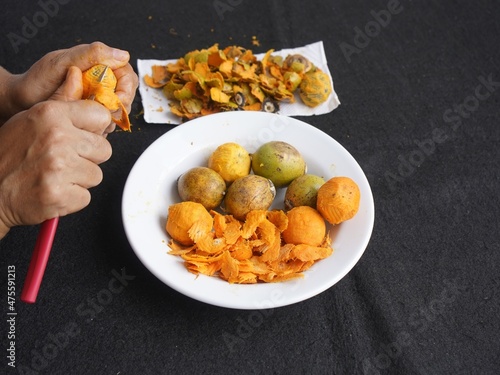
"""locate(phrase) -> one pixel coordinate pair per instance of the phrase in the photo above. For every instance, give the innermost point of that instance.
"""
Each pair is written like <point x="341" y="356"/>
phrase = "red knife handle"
<point x="39" y="260"/>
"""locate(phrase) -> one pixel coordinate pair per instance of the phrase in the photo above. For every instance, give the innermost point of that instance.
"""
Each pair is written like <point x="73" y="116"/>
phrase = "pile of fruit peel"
<point x="246" y="252"/>
<point x="216" y="80"/>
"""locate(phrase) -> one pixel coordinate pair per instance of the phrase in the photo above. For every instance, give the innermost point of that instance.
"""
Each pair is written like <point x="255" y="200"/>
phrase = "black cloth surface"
<point x="420" y="113"/>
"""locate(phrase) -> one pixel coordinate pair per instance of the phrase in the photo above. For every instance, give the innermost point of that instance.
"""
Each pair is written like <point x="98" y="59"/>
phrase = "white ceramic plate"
<point x="151" y="188"/>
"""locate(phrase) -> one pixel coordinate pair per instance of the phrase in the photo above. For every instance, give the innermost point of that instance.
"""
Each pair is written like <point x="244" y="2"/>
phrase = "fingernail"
<point x="120" y="55"/>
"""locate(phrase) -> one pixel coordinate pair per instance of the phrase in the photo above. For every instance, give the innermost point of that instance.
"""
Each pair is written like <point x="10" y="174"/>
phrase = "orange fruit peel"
<point x="215" y="80"/>
<point x="242" y="252"/>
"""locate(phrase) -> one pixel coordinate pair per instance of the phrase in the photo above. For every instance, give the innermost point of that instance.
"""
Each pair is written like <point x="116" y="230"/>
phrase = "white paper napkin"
<point x="157" y="110"/>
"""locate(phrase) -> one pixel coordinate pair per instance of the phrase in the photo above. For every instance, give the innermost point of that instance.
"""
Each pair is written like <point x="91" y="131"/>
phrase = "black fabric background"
<point x="423" y="299"/>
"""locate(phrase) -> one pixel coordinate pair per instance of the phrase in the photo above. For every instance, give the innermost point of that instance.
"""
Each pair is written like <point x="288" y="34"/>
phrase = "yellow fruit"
<point x="315" y="88"/>
<point x="231" y="161"/>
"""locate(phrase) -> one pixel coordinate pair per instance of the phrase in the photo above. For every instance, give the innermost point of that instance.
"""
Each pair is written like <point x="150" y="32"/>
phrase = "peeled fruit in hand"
<point x="249" y="193"/>
<point x="99" y="84"/>
<point x="231" y="161"/>
<point x="303" y="191"/>
<point x="338" y="199"/>
<point x="278" y="161"/>
<point x="202" y="185"/>
<point x="305" y="226"/>
<point x="188" y="220"/>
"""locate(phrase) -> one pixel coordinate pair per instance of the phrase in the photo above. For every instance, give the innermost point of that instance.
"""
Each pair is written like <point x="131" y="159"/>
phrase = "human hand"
<point x="50" y="156"/>
<point x="43" y="79"/>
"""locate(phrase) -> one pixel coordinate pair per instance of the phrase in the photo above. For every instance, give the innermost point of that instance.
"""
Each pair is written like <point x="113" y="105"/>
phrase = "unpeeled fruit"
<point x="231" y="161"/>
<point x="303" y="191"/>
<point x="278" y="161"/>
<point x="249" y="193"/>
<point x="202" y="185"/>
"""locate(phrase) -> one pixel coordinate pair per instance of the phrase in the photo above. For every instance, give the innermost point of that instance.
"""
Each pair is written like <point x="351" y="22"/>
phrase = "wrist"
<point x="4" y="229"/>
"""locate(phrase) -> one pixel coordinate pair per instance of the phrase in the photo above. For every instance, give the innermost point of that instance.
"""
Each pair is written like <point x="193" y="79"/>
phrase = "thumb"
<point x="72" y="87"/>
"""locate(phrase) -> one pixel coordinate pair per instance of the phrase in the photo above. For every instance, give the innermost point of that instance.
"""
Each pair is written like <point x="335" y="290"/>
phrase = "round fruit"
<point x="231" y="161"/>
<point x="305" y="226"/>
<point x="303" y="191"/>
<point x="182" y="216"/>
<point x="278" y="161"/>
<point x="202" y="185"/>
<point x="338" y="199"/>
<point x="315" y="88"/>
<point x="248" y="193"/>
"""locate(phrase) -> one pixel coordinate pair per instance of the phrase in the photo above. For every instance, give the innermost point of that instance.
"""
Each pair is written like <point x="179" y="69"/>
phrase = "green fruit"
<point x="278" y="161"/>
<point x="202" y="185"/>
<point x="303" y="191"/>
<point x="248" y="193"/>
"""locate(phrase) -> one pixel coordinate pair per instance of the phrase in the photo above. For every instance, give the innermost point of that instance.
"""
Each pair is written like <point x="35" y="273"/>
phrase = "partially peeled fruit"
<point x="188" y="221"/>
<point x="99" y="84"/>
<point x="315" y="88"/>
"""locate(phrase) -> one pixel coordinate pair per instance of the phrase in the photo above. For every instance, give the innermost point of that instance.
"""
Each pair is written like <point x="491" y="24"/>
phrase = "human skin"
<point x="51" y="141"/>
<point x="21" y="91"/>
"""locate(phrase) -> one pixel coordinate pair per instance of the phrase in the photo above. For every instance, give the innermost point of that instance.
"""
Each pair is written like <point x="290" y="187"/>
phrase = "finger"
<point x="78" y="198"/>
<point x="62" y="193"/>
<point x="72" y="88"/>
<point x="87" y="174"/>
<point x="96" y="117"/>
<point x="77" y="171"/>
<point x="127" y="85"/>
<point x="92" y="147"/>
<point x="110" y="129"/>
<point x="85" y="56"/>
<point x="55" y="65"/>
